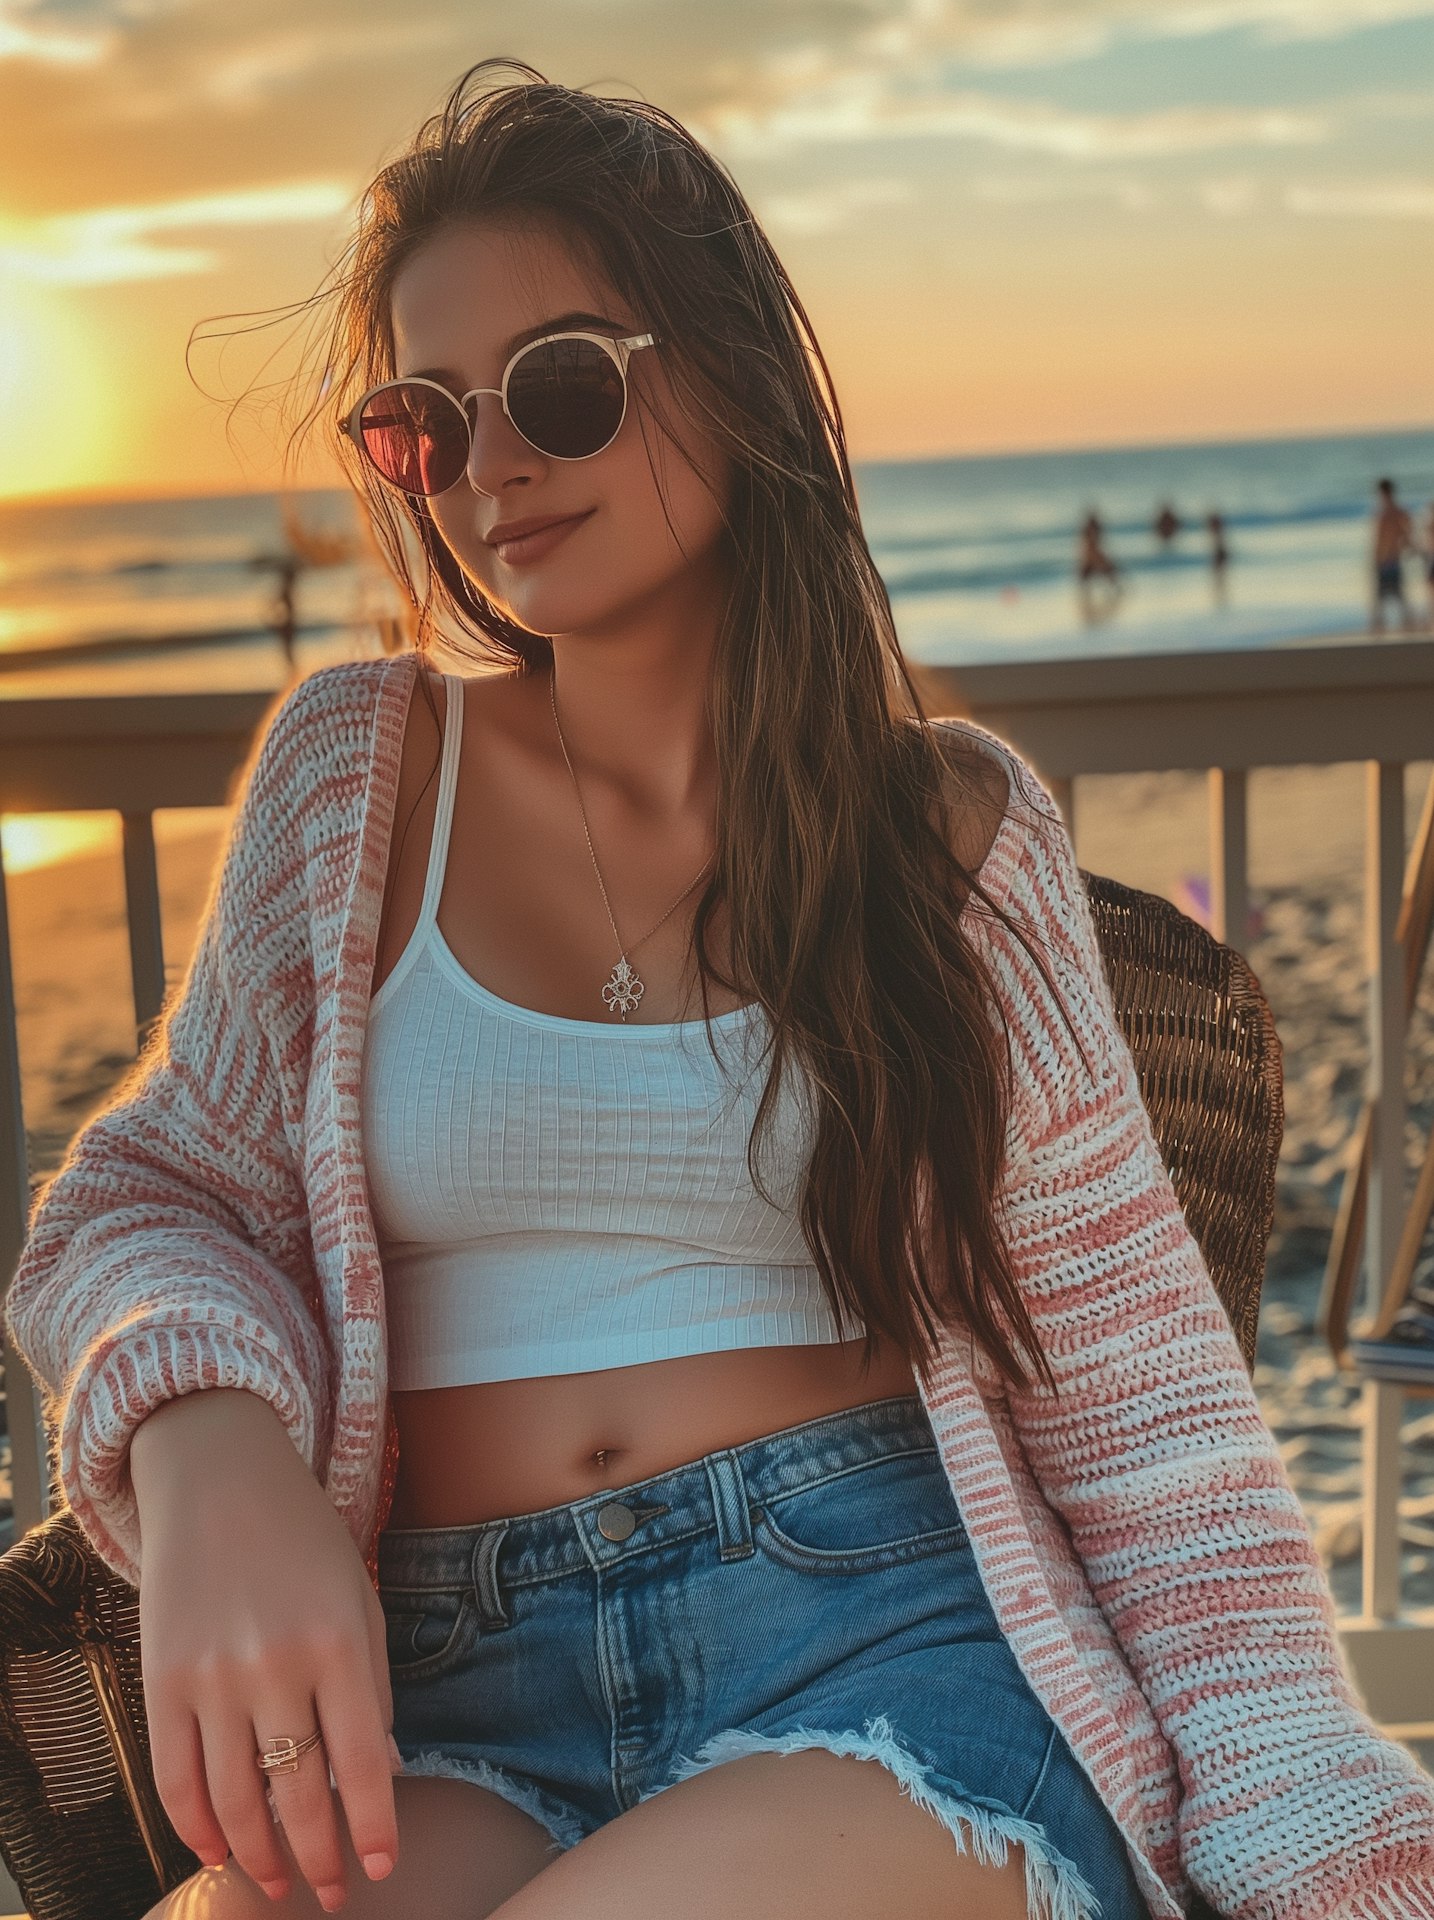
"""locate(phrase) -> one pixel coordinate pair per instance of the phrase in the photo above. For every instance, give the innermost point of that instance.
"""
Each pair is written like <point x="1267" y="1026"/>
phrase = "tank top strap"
<point x="443" y="813"/>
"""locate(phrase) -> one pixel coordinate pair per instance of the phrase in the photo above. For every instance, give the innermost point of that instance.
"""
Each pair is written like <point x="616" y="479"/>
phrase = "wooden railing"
<point x="1220" y="713"/>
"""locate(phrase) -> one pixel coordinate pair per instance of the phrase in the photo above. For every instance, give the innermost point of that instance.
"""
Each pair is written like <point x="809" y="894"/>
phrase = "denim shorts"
<point x="814" y="1587"/>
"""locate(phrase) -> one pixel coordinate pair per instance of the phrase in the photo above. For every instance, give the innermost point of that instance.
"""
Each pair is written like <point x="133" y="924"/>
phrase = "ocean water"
<point x="978" y="555"/>
<point x="180" y="593"/>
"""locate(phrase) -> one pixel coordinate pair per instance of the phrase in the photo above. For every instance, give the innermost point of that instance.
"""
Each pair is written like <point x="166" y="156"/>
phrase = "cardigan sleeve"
<point x="1157" y="1457"/>
<point x="170" y="1251"/>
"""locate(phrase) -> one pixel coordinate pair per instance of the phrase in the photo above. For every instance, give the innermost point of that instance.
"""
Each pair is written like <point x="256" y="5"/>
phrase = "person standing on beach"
<point x="1094" y="563"/>
<point x="1393" y="537"/>
<point x="1429" y="563"/>
<point x="633" y="1314"/>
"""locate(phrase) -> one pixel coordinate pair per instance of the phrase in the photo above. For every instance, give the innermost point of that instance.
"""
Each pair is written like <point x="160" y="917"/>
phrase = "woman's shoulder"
<point x="1006" y="821"/>
<point x="302" y="777"/>
<point x="322" y="726"/>
<point x="343" y="688"/>
<point x="1032" y="897"/>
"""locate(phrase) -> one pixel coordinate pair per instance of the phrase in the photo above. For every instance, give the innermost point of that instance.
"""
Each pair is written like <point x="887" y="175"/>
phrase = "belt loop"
<point x="729" y="1502"/>
<point x="485" y="1578"/>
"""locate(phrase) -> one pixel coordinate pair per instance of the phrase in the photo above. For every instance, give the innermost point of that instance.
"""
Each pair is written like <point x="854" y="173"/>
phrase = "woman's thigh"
<point x="462" y="1851"/>
<point x="796" y="1836"/>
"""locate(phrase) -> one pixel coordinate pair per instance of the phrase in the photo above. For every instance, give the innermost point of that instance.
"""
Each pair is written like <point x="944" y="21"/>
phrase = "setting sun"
<point x="53" y="402"/>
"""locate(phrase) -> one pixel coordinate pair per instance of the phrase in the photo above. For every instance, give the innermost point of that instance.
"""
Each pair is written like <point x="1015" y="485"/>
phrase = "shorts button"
<point x="615" y="1521"/>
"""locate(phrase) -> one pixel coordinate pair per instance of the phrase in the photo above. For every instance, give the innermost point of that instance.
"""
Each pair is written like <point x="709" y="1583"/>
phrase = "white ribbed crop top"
<point x="555" y="1195"/>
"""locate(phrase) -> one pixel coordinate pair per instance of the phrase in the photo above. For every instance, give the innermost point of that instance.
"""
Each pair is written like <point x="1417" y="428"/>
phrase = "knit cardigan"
<point x="1142" y="1546"/>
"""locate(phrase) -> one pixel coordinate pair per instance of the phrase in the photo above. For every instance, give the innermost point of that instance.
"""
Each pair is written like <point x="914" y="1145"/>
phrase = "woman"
<point x="703" y="1128"/>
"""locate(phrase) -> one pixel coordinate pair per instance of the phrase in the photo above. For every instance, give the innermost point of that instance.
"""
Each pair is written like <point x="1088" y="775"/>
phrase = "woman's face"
<point x="462" y="306"/>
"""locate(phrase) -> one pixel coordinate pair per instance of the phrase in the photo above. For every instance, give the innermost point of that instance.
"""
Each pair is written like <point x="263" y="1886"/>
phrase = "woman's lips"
<point x="535" y="546"/>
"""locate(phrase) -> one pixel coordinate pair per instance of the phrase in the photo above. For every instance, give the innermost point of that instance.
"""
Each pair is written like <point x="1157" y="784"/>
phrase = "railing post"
<point x="1388" y="1023"/>
<point x="1384" y="887"/>
<point x="29" y="1464"/>
<point x="1229" y="857"/>
<point x="1383" y="1411"/>
<point x="146" y="929"/>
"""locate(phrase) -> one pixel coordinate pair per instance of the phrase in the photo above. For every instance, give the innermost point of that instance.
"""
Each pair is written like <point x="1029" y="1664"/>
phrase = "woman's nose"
<point x="497" y="453"/>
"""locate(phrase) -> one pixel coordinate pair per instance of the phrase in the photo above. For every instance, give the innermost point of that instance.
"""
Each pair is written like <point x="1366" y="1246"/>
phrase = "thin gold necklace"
<point x="623" y="987"/>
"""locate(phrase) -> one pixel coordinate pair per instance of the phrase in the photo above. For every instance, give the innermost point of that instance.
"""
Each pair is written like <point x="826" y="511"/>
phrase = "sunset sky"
<point x="1016" y="223"/>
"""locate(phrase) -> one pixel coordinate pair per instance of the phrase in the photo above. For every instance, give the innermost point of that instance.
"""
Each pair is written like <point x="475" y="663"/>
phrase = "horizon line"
<point x="108" y="496"/>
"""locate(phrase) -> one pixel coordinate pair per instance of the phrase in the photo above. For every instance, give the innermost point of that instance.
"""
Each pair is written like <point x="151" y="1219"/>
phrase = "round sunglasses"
<point x="566" y="394"/>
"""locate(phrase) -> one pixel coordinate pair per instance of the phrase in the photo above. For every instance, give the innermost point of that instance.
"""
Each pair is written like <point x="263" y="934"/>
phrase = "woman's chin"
<point x="545" y="615"/>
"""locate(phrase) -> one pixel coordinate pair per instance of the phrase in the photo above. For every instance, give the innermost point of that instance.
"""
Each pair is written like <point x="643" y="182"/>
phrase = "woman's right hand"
<point x="258" y="1619"/>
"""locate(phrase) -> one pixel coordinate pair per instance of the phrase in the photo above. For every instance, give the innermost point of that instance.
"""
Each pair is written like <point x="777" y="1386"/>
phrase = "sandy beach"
<point x="1306" y="850"/>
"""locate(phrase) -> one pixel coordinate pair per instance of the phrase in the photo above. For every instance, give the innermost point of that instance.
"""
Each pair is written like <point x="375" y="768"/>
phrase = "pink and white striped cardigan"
<point x="1137" y="1533"/>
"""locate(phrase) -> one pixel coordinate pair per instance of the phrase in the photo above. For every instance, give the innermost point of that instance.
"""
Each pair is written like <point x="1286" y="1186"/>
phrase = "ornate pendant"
<point x="623" y="989"/>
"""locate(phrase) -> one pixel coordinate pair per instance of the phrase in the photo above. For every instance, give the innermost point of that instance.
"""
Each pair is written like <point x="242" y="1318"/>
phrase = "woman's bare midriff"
<point x="506" y="1447"/>
<point x="500" y="1448"/>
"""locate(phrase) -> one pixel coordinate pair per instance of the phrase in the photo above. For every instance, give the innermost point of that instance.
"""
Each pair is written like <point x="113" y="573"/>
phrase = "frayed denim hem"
<point x="564" y="1830"/>
<point x="1055" y="1887"/>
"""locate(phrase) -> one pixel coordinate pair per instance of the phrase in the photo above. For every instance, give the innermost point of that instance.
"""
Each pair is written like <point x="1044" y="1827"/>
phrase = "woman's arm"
<point x="160" y="1258"/>
<point x="1156" y="1455"/>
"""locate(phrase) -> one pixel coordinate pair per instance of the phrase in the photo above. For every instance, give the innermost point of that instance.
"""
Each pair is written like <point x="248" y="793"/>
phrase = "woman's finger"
<point x="356" y="1737"/>
<point x="302" y="1801"/>
<point x="237" y="1786"/>
<point x="176" y="1750"/>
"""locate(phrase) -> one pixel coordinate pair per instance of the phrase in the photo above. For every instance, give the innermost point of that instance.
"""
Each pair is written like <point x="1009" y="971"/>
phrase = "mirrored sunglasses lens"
<point x="566" y="397"/>
<point x="416" y="437"/>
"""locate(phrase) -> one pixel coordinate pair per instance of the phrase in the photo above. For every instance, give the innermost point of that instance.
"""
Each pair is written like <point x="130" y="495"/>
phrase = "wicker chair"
<point x="1208" y="1057"/>
<point x="82" y="1830"/>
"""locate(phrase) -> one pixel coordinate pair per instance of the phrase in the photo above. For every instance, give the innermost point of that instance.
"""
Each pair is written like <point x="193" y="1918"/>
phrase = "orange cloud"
<point x="108" y="244"/>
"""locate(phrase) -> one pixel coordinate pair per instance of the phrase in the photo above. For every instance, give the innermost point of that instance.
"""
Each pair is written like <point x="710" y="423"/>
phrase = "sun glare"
<point x="32" y="840"/>
<point x="55" y="420"/>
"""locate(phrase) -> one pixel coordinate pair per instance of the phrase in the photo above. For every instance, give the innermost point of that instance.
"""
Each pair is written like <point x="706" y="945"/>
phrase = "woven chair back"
<point x="82" y="1829"/>
<point x="1208" y="1059"/>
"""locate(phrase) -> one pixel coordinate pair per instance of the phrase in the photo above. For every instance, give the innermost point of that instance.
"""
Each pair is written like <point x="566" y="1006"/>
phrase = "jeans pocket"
<point x="429" y="1630"/>
<point x="886" y="1512"/>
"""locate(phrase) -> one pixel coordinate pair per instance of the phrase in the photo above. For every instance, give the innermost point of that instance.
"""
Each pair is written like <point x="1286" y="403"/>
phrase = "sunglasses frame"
<point x="619" y="351"/>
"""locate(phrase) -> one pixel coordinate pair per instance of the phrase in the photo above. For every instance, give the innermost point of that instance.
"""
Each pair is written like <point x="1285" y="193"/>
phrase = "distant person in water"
<point x="1429" y="561"/>
<point x="286" y="567"/>
<point x="1093" y="564"/>
<point x="1393" y="537"/>
<point x="1167" y="524"/>
<point x="1219" y="555"/>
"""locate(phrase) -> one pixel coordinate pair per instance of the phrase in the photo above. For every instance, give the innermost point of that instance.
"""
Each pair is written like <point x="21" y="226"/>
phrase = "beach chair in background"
<point x="82" y="1829"/>
<point x="1413" y="932"/>
<point x="1393" y="1354"/>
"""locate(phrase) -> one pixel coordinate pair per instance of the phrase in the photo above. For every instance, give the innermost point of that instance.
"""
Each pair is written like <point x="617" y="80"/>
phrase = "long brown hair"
<point x="835" y="793"/>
